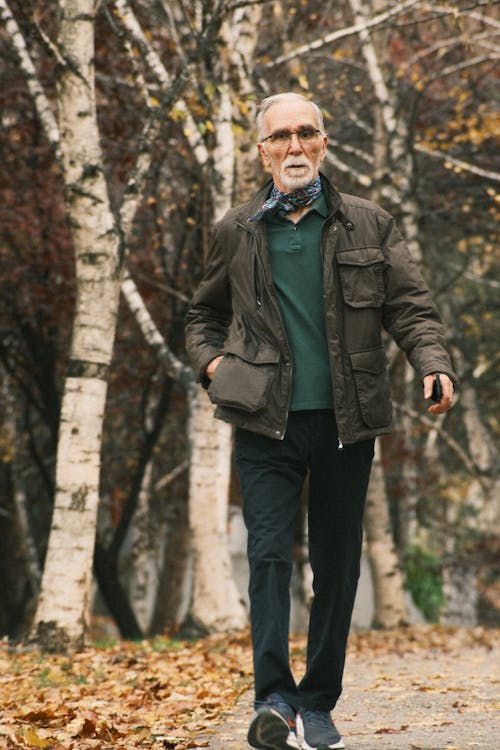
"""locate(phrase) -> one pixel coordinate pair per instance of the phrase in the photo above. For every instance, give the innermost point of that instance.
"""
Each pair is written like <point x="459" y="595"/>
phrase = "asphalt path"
<point x="427" y="700"/>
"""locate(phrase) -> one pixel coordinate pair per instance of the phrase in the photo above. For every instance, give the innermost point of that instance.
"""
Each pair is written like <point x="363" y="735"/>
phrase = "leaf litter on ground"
<point x="162" y="692"/>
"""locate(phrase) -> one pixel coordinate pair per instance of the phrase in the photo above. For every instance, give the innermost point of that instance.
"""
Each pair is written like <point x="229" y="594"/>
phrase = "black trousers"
<point x="272" y="474"/>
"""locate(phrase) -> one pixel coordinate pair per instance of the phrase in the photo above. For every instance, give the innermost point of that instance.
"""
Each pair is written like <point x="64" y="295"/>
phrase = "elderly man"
<point x="285" y="332"/>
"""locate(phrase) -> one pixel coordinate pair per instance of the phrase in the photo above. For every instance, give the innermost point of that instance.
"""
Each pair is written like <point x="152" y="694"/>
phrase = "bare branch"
<point x="173" y="366"/>
<point x="371" y="23"/>
<point x="168" y="478"/>
<point x="363" y="179"/>
<point x="47" y="42"/>
<point x="487" y="20"/>
<point x="41" y="102"/>
<point x="448" y="44"/>
<point x="466" y="64"/>
<point x="247" y="4"/>
<point x="134" y="29"/>
<point x="457" y="449"/>
<point x="474" y="277"/>
<point x="458" y="163"/>
<point x="333" y="143"/>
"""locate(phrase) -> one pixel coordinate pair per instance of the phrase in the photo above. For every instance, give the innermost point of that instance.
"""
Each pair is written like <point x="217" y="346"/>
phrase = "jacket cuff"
<point x="202" y="376"/>
<point x="444" y="371"/>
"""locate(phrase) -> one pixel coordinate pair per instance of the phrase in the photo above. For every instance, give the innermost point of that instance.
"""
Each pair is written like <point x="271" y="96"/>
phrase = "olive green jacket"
<point x="370" y="284"/>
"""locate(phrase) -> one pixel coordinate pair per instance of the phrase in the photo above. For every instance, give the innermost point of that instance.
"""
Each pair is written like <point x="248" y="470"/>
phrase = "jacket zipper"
<point x="332" y="228"/>
<point x="258" y="296"/>
<point x="257" y="290"/>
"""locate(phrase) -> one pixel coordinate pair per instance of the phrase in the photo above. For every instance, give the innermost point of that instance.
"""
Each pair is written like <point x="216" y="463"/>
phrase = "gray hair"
<point x="270" y="100"/>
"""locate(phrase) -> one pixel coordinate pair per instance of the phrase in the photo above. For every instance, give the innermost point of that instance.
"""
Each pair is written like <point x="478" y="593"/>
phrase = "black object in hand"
<point x="437" y="389"/>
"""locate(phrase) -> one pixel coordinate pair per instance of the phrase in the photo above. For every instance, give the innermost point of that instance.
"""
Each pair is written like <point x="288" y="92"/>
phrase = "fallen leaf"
<point x="33" y="740"/>
<point x="390" y="730"/>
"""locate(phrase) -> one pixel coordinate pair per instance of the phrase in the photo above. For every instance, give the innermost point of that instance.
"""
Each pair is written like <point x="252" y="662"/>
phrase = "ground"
<point x="419" y="688"/>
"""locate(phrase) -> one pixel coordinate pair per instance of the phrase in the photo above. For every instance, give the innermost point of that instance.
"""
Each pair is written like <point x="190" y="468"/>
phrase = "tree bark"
<point x="62" y="618"/>
<point x="390" y="608"/>
<point x="215" y="603"/>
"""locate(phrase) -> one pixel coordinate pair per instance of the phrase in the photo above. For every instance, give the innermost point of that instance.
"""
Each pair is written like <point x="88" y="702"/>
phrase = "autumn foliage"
<point x="170" y="693"/>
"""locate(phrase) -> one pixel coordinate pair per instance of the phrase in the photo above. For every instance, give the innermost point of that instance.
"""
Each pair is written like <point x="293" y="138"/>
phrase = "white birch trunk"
<point x="388" y="152"/>
<point x="218" y="461"/>
<point x="242" y="41"/>
<point x="480" y="506"/>
<point x="390" y="607"/>
<point x="215" y="602"/>
<point x="62" y="617"/>
<point x="35" y="88"/>
<point x="222" y="200"/>
<point x="142" y="557"/>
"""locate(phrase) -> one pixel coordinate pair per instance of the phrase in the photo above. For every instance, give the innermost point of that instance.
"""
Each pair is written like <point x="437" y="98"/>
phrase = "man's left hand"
<point x="446" y="399"/>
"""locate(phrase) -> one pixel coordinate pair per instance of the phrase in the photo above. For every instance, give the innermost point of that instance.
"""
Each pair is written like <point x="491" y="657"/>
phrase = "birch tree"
<point x="214" y="600"/>
<point x="61" y="621"/>
<point x="230" y="610"/>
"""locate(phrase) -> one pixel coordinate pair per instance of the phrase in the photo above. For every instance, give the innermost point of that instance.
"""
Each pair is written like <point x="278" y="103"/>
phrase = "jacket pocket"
<point x="372" y="387"/>
<point x="362" y="276"/>
<point x="242" y="382"/>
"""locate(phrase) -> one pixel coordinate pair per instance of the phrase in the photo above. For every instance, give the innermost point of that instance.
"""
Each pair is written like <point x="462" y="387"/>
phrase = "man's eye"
<point x="281" y="135"/>
<point x="306" y="134"/>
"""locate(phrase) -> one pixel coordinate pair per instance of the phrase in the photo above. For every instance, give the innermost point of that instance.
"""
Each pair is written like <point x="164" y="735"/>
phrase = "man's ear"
<point x="323" y="150"/>
<point x="265" y="159"/>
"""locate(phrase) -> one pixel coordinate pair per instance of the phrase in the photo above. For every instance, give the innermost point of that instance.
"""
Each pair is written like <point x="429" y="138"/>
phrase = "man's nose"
<point x="295" y="146"/>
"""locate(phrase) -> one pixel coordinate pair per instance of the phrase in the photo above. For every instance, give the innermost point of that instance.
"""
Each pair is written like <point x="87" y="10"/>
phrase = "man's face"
<point x="294" y="163"/>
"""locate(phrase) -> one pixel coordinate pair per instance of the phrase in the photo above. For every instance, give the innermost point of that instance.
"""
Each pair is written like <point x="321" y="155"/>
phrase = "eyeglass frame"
<point x="290" y="133"/>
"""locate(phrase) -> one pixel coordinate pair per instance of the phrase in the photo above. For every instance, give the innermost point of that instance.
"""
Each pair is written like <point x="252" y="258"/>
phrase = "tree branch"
<point x="134" y="30"/>
<point x="355" y="28"/>
<point x="457" y="449"/>
<point x="35" y="88"/>
<point x="458" y="163"/>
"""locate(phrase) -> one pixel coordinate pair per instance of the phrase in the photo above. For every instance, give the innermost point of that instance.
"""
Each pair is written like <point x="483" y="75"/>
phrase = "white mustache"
<point x="291" y="162"/>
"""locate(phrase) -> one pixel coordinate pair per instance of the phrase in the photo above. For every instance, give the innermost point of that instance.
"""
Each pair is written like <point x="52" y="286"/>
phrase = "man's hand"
<point x="212" y="366"/>
<point x="446" y="399"/>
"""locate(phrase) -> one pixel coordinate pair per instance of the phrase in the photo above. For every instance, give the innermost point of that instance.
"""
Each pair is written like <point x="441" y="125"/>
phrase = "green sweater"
<point x="296" y="262"/>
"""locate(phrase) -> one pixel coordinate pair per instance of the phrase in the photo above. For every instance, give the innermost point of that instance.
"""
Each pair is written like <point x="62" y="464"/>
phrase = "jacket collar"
<point x="332" y="197"/>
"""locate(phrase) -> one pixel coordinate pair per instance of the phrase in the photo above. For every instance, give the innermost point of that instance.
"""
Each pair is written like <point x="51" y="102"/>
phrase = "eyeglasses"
<point x="285" y="136"/>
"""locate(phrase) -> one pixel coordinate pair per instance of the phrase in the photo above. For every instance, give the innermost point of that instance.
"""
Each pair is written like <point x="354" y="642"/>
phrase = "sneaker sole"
<point x="269" y="731"/>
<point x="337" y="746"/>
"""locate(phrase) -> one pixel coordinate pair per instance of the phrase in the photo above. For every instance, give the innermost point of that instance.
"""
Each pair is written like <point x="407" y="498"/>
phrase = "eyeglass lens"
<point x="282" y="136"/>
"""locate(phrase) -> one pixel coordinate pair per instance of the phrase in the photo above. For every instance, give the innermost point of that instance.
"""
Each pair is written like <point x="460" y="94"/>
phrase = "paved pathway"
<point x="427" y="700"/>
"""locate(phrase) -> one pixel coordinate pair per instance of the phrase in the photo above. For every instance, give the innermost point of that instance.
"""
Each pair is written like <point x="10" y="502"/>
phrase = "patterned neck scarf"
<point x="289" y="201"/>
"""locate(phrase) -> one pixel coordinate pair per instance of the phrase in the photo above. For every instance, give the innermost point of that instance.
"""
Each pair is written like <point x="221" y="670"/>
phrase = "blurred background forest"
<point x="408" y="93"/>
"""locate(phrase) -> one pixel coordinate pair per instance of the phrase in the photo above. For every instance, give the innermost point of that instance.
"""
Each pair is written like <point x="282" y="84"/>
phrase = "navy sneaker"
<point x="273" y="726"/>
<point x="318" y="730"/>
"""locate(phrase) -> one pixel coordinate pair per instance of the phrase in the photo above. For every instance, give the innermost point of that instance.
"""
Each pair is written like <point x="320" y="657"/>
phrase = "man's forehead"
<point x="291" y="112"/>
